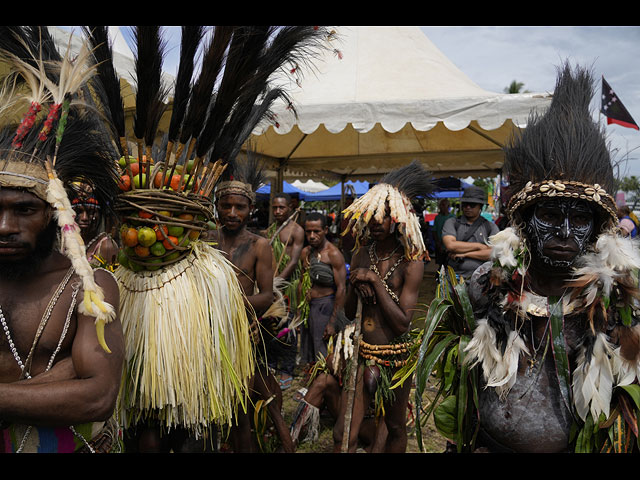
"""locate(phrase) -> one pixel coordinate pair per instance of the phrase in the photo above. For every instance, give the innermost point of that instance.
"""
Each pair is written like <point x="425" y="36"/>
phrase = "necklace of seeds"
<point x="374" y="268"/>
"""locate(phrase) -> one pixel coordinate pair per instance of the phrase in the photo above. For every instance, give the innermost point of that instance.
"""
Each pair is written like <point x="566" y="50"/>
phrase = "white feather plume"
<point x="498" y="370"/>
<point x="593" y="380"/>
<point x="504" y="245"/>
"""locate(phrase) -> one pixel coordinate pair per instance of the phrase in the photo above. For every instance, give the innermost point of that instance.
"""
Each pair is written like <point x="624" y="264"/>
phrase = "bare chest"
<point x="37" y="327"/>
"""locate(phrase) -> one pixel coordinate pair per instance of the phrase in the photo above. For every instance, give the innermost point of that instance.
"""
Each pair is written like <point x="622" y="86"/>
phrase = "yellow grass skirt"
<point x="188" y="352"/>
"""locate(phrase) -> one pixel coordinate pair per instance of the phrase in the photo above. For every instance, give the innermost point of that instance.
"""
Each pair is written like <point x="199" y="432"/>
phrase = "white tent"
<point x="310" y="186"/>
<point x="386" y="96"/>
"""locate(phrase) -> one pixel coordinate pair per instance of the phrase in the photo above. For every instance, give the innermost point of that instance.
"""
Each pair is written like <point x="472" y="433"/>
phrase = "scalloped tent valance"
<point x="389" y="97"/>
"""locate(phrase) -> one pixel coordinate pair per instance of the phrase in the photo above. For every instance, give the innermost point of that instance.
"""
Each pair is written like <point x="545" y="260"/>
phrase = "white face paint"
<point x="559" y="230"/>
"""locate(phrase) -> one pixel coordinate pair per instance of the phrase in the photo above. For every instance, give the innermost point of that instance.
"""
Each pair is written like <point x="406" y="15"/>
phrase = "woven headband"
<point x="234" y="187"/>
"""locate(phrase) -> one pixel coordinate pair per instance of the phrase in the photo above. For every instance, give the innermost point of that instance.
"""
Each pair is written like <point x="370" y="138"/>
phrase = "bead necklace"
<point x="374" y="268"/>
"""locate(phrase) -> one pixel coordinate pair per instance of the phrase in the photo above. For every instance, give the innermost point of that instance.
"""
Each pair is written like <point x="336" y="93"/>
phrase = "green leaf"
<point x="556" y="322"/>
<point x="444" y="417"/>
<point x="634" y="392"/>
<point x="625" y="314"/>
<point x="426" y="366"/>
<point x="465" y="303"/>
<point x="450" y="367"/>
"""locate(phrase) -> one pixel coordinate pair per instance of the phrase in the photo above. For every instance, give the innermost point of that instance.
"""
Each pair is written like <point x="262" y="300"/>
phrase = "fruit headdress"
<point x="56" y="142"/>
<point x="180" y="297"/>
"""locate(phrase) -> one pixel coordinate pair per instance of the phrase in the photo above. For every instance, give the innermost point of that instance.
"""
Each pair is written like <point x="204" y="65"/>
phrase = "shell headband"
<point x="563" y="188"/>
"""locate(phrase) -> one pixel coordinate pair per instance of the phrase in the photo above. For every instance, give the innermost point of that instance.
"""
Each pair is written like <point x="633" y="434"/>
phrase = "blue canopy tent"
<point x="335" y="192"/>
<point x="265" y="190"/>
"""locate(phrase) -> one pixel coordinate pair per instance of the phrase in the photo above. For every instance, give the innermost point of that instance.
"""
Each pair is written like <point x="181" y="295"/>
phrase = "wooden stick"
<point x="353" y="373"/>
<point x="284" y="224"/>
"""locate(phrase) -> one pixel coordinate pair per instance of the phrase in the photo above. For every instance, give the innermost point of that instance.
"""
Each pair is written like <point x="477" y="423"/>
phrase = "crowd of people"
<point x="141" y="313"/>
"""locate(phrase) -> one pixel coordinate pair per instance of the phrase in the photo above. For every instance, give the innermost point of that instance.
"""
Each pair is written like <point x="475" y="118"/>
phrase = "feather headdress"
<point x="562" y="153"/>
<point x="64" y="145"/>
<point x="173" y="157"/>
<point x="396" y="190"/>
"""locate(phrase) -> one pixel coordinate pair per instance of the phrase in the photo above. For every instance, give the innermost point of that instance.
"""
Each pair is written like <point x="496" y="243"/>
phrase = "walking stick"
<point x="353" y="373"/>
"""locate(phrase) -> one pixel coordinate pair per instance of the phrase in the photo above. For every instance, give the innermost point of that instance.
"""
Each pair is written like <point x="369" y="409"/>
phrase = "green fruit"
<point x="190" y="165"/>
<point x="175" y="231"/>
<point x="146" y="236"/>
<point x="172" y="256"/>
<point x="183" y="241"/>
<point x="140" y="179"/>
<point x="122" y="259"/>
<point x="123" y="163"/>
<point x="150" y="264"/>
<point x="136" y="267"/>
<point x="157" y="249"/>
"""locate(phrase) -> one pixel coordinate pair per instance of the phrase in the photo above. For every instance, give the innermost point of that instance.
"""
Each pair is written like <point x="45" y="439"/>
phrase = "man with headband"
<point x="60" y="364"/>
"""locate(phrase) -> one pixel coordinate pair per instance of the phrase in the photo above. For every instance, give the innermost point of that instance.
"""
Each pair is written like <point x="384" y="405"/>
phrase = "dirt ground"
<point x="432" y="441"/>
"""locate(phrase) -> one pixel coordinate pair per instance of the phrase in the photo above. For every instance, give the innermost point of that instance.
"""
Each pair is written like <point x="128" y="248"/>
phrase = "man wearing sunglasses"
<point x="465" y="238"/>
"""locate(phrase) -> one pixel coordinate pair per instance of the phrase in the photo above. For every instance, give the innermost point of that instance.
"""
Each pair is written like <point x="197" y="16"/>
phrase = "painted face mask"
<point x="559" y="230"/>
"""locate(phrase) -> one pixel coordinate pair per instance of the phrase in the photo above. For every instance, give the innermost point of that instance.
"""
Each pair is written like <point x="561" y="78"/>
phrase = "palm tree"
<point x="515" y="87"/>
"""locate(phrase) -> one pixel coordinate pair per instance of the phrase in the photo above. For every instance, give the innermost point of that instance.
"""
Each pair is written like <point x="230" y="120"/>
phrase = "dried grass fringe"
<point x="188" y="350"/>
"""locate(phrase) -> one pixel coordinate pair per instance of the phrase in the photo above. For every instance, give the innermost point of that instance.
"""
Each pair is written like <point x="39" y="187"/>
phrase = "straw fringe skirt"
<point x="188" y="350"/>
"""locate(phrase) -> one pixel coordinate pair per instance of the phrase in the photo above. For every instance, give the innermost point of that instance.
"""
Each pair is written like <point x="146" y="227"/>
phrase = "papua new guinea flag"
<point x="613" y="108"/>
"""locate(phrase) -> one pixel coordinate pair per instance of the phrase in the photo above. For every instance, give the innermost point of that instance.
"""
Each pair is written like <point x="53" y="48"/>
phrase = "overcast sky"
<point x="495" y="56"/>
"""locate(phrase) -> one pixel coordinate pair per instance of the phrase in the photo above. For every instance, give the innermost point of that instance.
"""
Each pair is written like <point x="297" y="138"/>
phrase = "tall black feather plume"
<point x="413" y="180"/>
<point x="150" y="93"/>
<point x="28" y="43"/>
<point x="249" y="170"/>
<point x="244" y="51"/>
<point x="190" y="41"/>
<point x="108" y="81"/>
<point x="564" y="143"/>
<point x="243" y="99"/>
<point x="201" y="96"/>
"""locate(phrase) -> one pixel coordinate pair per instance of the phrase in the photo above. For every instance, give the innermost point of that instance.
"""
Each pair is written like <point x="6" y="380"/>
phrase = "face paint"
<point x="559" y="230"/>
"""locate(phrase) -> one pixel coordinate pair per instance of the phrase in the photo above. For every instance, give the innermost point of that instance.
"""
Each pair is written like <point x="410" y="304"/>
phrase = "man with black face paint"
<point x="559" y="231"/>
<point x="556" y="333"/>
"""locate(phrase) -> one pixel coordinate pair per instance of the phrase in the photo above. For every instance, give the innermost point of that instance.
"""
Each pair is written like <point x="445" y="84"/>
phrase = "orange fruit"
<point x="160" y="229"/>
<point x="144" y="214"/>
<point x="135" y="169"/>
<point x="194" y="234"/>
<point x="157" y="180"/>
<point x="175" y="181"/>
<point x="130" y="237"/>
<point x="142" y="251"/>
<point x="185" y="216"/>
<point x="125" y="183"/>
<point x="167" y="242"/>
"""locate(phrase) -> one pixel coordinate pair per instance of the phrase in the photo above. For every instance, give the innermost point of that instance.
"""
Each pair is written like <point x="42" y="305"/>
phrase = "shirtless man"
<point x="328" y="287"/>
<point x="383" y="321"/>
<point x="287" y="246"/>
<point x="291" y="236"/>
<point x="252" y="256"/>
<point x="385" y="277"/>
<point x="82" y="383"/>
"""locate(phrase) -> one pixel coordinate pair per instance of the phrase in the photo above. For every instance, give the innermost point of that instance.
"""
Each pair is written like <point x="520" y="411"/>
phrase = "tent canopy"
<point x="335" y="192"/>
<point x="390" y="97"/>
<point x="265" y="190"/>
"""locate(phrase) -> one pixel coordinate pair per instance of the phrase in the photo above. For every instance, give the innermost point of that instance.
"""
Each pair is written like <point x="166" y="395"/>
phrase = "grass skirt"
<point x="188" y="352"/>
